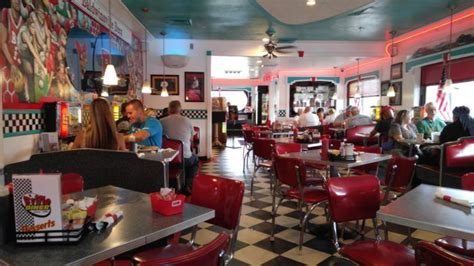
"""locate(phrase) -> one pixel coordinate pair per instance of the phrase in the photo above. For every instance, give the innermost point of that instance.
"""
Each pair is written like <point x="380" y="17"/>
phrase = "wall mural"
<point x="33" y="65"/>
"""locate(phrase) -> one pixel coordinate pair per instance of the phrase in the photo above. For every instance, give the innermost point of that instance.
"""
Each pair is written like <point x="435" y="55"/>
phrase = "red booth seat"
<point x="351" y="135"/>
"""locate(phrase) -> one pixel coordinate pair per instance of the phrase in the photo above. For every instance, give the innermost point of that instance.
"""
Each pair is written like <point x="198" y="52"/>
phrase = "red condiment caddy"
<point x="168" y="206"/>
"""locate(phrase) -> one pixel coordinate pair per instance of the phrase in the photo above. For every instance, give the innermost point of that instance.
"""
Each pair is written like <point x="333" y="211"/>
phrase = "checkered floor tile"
<point x="254" y="246"/>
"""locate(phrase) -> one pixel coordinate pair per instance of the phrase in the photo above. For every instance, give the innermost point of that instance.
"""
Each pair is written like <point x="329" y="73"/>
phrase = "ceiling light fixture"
<point x="164" y="83"/>
<point x="146" y="88"/>
<point x="357" y="93"/>
<point x="311" y="2"/>
<point x="448" y="83"/>
<point x="391" y="88"/>
<point x="110" y="75"/>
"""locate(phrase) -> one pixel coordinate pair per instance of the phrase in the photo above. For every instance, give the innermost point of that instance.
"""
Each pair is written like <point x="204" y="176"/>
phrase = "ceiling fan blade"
<point x="274" y="55"/>
<point x="283" y="52"/>
<point x="265" y="55"/>
<point x="286" y="47"/>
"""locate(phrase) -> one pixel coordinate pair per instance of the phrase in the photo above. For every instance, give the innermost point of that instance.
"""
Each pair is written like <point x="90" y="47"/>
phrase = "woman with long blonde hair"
<point x="101" y="133"/>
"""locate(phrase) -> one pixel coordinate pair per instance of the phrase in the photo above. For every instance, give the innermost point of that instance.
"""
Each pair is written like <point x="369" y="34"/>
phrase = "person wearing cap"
<point x="341" y="118"/>
<point x="357" y="119"/>
<point x="383" y="126"/>
<point x="430" y="123"/>
<point x="459" y="127"/>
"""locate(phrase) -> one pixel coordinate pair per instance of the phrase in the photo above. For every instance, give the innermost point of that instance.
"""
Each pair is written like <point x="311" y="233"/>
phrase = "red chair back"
<point x="208" y="254"/>
<point x="370" y="149"/>
<point x="71" y="182"/>
<point x="460" y="154"/>
<point x="223" y="195"/>
<point x="175" y="145"/>
<point x="353" y="197"/>
<point x="197" y="134"/>
<point x="430" y="254"/>
<point x="358" y="140"/>
<point x="262" y="148"/>
<point x="285" y="171"/>
<point x="246" y="127"/>
<point x="467" y="181"/>
<point x="248" y="135"/>
<point x="282" y="148"/>
<point x="403" y="174"/>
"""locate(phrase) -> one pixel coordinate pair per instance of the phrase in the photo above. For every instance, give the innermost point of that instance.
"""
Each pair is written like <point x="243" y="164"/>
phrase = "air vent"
<point x="180" y="21"/>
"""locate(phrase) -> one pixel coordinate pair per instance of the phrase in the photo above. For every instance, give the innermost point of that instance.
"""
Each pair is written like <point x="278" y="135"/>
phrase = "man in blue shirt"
<point x="145" y="130"/>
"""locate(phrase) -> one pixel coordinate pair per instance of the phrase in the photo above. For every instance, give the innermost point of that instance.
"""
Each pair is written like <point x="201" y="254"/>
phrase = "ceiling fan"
<point x="272" y="47"/>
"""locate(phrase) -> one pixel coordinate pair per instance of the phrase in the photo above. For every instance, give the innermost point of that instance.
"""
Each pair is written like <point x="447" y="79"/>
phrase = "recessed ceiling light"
<point x="265" y="40"/>
<point x="311" y="2"/>
<point x="259" y="61"/>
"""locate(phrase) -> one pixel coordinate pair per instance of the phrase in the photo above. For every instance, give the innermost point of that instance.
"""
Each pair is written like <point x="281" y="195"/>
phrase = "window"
<point x="235" y="97"/>
<point x="370" y="94"/>
<point x="463" y="94"/>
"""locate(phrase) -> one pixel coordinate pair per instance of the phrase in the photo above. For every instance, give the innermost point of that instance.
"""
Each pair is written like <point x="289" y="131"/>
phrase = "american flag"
<point x="442" y="97"/>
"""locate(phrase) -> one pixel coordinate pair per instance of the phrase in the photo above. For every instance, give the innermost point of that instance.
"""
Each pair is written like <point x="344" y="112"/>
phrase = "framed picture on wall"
<point x="396" y="71"/>
<point x="397" y="100"/>
<point x="384" y="87"/>
<point x="173" y="84"/>
<point x="194" y="86"/>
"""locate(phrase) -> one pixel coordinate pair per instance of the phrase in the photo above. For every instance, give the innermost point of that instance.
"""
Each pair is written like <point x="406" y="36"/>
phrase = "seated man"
<point x="145" y="130"/>
<point x="357" y="119"/>
<point x="179" y="127"/>
<point x="383" y="126"/>
<point x="341" y="118"/>
<point x="430" y="123"/>
<point x="123" y="124"/>
<point x="458" y="128"/>
<point x="308" y="119"/>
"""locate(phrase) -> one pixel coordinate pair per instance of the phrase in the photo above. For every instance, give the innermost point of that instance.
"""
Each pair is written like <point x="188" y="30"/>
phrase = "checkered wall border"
<point x="189" y="113"/>
<point x="282" y="113"/>
<point x="22" y="122"/>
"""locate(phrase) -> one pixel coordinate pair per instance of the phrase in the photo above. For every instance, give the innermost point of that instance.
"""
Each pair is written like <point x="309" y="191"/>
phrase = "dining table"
<point x="361" y="159"/>
<point x="365" y="136"/>
<point x="304" y="145"/>
<point x="162" y="155"/>
<point x="420" y="209"/>
<point x="139" y="226"/>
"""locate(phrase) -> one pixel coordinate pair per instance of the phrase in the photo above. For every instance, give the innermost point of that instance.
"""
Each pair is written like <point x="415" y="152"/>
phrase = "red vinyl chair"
<point x="249" y="135"/>
<point x="221" y="194"/>
<point x="291" y="177"/>
<point x="457" y="245"/>
<point x="262" y="150"/>
<point x="356" y="198"/>
<point x="71" y="182"/>
<point x="282" y="148"/>
<point x="430" y="254"/>
<point x="176" y="166"/>
<point x="369" y="168"/>
<point x="196" y="140"/>
<point x="209" y="254"/>
<point x="398" y="176"/>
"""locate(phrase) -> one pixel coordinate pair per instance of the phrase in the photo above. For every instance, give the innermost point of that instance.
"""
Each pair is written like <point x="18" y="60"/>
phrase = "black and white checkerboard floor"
<point x="253" y="245"/>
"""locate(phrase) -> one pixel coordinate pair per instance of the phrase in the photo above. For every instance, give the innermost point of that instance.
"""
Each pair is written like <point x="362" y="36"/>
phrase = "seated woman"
<point x="459" y="127"/>
<point x="400" y="131"/>
<point x="101" y="133"/>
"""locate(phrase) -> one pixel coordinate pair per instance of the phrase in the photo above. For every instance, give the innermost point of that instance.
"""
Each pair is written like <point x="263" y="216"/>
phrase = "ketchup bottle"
<point x="324" y="148"/>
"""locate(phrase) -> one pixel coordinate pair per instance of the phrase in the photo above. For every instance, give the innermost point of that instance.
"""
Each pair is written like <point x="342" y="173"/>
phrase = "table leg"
<point x="167" y="174"/>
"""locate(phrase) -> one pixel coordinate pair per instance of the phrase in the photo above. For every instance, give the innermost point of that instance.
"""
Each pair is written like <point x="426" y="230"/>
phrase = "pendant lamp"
<point x="357" y="93"/>
<point x="110" y="76"/>
<point x="146" y="88"/>
<point x="164" y="83"/>
<point x="448" y="83"/>
<point x="391" y="89"/>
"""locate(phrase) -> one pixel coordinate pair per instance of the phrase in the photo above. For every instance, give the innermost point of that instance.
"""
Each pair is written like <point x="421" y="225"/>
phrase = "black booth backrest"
<point x="98" y="168"/>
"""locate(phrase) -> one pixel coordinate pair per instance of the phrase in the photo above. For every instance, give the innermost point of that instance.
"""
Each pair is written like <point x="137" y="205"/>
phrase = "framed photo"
<point x="194" y="86"/>
<point x="396" y="71"/>
<point x="122" y="87"/>
<point x="384" y="87"/>
<point x="397" y="100"/>
<point x="173" y="84"/>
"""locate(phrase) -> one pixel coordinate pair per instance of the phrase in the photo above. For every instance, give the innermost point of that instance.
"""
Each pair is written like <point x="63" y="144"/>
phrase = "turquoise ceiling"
<point x="247" y="20"/>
